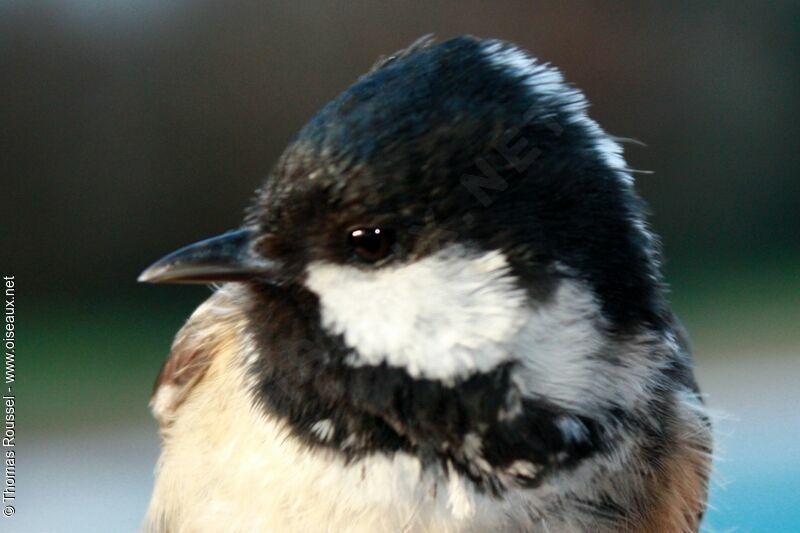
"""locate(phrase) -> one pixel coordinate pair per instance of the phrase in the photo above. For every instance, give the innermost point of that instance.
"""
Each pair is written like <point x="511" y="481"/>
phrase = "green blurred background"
<point x="132" y="127"/>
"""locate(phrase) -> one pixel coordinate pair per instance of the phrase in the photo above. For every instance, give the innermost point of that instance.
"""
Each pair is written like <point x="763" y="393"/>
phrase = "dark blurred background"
<point x="132" y="127"/>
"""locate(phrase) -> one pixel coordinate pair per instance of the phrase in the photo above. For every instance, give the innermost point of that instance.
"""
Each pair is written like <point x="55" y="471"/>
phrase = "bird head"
<point x="444" y="260"/>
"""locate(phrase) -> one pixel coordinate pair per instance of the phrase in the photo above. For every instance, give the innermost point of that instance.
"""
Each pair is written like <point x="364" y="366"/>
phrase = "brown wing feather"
<point x="211" y="327"/>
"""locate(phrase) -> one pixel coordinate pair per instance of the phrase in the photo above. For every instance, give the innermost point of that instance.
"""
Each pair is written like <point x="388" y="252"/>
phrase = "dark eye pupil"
<point x="371" y="244"/>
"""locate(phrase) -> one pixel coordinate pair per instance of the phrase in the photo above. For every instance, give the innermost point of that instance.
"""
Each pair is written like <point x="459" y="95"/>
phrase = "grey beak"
<point x="227" y="257"/>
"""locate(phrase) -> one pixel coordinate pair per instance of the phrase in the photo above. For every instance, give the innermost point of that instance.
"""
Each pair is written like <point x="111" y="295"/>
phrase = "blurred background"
<point x="132" y="127"/>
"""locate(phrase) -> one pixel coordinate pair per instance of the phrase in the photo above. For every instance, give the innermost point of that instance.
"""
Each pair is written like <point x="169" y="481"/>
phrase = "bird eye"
<point x="371" y="244"/>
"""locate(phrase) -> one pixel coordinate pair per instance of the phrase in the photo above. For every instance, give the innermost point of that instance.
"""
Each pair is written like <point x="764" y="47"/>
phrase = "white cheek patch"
<point x="457" y="313"/>
<point x="445" y="316"/>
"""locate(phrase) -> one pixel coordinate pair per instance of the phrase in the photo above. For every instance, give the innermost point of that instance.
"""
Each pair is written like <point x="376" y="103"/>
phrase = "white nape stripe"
<point x="544" y="80"/>
<point x="442" y="317"/>
<point x="564" y="356"/>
